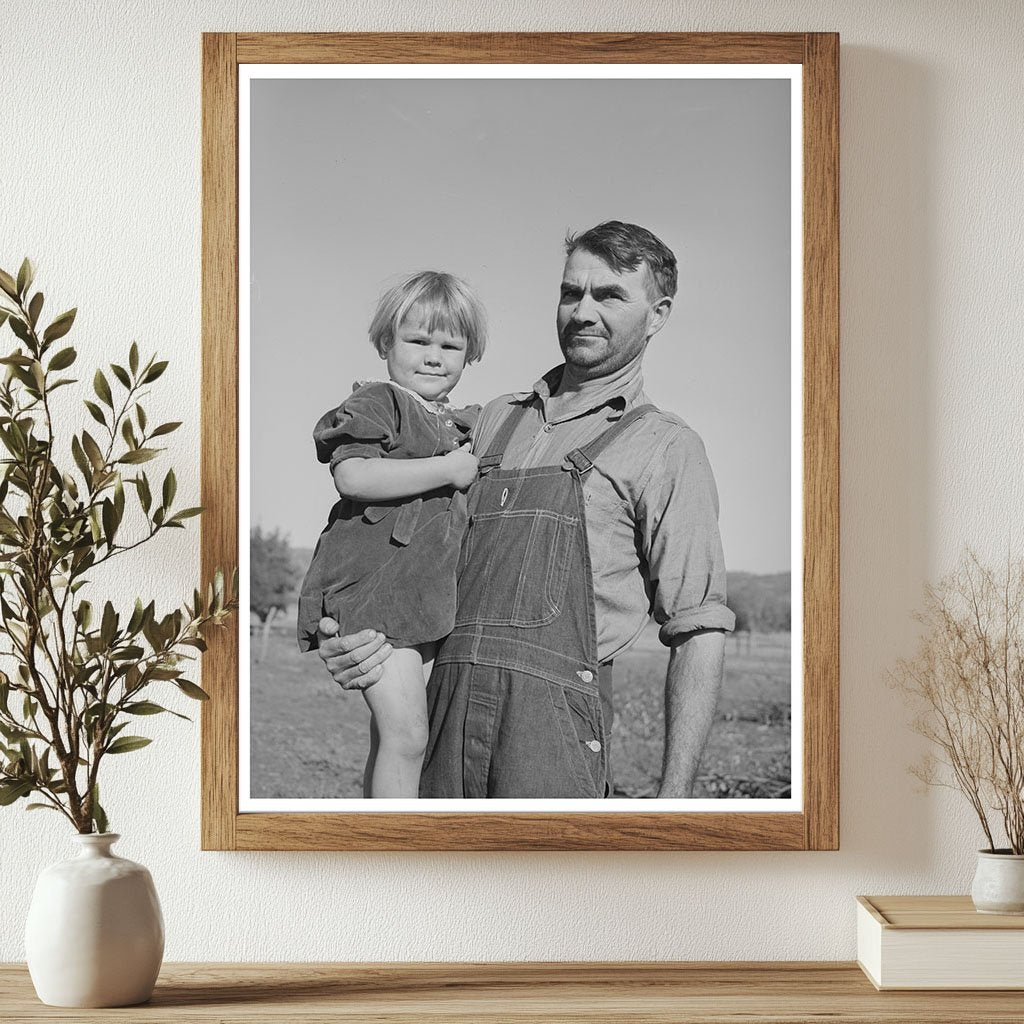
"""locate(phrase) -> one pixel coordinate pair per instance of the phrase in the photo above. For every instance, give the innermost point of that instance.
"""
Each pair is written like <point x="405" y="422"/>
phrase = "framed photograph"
<point x="606" y="565"/>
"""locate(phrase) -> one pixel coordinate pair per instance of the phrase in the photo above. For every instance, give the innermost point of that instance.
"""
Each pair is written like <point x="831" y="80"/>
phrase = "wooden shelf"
<point x="661" y="993"/>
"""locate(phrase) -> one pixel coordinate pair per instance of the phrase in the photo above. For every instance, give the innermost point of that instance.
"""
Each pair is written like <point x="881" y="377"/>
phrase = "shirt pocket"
<point x="611" y="529"/>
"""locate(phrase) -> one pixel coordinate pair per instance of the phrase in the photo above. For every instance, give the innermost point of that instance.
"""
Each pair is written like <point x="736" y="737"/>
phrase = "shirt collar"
<point x="617" y="395"/>
<point x="441" y="406"/>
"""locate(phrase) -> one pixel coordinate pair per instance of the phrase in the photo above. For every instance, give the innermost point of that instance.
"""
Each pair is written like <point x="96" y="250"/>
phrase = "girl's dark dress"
<point x="387" y="565"/>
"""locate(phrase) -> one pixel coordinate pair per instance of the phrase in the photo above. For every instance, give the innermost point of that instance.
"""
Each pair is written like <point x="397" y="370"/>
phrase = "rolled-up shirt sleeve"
<point x="678" y="518"/>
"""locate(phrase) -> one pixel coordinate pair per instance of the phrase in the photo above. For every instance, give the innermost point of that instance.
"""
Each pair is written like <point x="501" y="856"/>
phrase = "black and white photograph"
<point x="520" y="450"/>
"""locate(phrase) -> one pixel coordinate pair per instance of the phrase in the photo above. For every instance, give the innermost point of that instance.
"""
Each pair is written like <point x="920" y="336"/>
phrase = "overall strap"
<point x="503" y="436"/>
<point x="582" y="459"/>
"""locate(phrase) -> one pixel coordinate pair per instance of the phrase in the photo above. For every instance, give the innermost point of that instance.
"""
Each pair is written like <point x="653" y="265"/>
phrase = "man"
<point x="593" y="509"/>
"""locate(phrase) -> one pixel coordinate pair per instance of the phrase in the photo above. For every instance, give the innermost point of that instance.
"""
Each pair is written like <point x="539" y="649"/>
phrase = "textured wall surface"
<point x="100" y="184"/>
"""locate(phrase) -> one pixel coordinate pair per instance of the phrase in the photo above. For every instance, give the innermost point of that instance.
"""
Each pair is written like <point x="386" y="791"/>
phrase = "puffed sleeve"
<point x="679" y="520"/>
<point x="364" y="426"/>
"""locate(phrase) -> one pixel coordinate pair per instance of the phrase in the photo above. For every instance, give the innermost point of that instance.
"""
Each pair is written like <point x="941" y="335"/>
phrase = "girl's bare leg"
<point x="398" y="703"/>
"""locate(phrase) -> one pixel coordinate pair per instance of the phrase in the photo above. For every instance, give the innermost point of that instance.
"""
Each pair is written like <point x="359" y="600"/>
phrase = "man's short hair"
<point x="448" y="303"/>
<point x="625" y="247"/>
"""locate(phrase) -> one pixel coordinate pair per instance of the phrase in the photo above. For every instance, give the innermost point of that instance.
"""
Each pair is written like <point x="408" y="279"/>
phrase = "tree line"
<point x="761" y="603"/>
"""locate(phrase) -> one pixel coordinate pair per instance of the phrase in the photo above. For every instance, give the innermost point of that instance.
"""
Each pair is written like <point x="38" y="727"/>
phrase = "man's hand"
<point x="462" y="466"/>
<point x="354" y="661"/>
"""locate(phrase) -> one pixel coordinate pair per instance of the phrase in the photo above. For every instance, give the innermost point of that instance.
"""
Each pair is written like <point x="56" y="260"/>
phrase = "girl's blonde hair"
<point x="449" y="304"/>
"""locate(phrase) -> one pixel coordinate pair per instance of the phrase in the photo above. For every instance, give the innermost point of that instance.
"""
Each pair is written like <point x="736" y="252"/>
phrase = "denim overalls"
<point x="514" y="699"/>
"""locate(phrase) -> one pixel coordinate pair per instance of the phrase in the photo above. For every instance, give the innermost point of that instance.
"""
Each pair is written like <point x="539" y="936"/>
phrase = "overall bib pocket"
<point x="528" y="547"/>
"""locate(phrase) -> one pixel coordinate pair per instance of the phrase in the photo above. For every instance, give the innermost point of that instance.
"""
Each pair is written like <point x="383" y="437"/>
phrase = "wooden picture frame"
<point x="816" y="826"/>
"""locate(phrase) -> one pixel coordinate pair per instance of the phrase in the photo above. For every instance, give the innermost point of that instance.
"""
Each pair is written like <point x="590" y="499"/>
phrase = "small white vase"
<point x="999" y="882"/>
<point x="95" y="934"/>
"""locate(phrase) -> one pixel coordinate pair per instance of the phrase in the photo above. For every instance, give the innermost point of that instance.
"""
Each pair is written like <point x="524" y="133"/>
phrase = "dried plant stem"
<point x="967" y="680"/>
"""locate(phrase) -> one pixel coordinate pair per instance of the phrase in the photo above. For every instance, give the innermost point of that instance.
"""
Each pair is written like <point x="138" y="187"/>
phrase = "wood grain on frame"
<point x="817" y="827"/>
<point x="522" y="48"/>
<point x="219" y="443"/>
<point x="821" y="441"/>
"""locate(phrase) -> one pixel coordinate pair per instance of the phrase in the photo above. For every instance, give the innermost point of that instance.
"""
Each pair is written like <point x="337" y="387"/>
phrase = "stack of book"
<point x="906" y="942"/>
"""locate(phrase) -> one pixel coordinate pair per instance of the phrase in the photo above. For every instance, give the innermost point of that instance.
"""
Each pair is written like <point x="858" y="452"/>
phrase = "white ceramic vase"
<point x="95" y="934"/>
<point x="999" y="883"/>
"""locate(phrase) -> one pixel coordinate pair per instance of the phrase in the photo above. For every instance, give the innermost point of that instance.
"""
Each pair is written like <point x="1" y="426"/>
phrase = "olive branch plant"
<point x="967" y="682"/>
<point x="80" y="674"/>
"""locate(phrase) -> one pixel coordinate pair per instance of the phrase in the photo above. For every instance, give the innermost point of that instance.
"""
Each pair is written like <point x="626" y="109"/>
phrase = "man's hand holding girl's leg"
<point x="354" y="661"/>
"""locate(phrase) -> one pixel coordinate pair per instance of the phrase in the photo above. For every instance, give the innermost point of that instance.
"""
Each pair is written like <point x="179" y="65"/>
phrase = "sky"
<point x="357" y="182"/>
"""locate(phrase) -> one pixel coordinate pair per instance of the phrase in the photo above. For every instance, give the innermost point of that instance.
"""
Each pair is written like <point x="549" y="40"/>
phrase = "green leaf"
<point x="99" y="817"/>
<point x="95" y="412"/>
<point x="63" y="359"/>
<point x="26" y="274"/>
<point x="154" y="371"/>
<point x="185" y="513"/>
<point x="92" y="449"/>
<point x="137" y="618"/>
<point x="139" y="455"/>
<point x="42" y="807"/>
<point x="12" y="733"/>
<point x="130" y="653"/>
<point x="125" y="744"/>
<point x="191" y="690"/>
<point x="4" y="314"/>
<point x="145" y="707"/>
<point x="121" y="374"/>
<point x="7" y="283"/>
<point x="109" y="521"/>
<point x="60" y="326"/>
<point x="164" y="673"/>
<point x="102" y="388"/>
<point x="140" y="415"/>
<point x="95" y="711"/>
<point x="108" y="627"/>
<point x="80" y="459"/>
<point x="165" y="428"/>
<point x="128" y="433"/>
<point x="146" y="499"/>
<point x="11" y="791"/>
<point x="20" y="328"/>
<point x="133" y="358"/>
<point x="170" y="487"/>
<point x="34" y="308"/>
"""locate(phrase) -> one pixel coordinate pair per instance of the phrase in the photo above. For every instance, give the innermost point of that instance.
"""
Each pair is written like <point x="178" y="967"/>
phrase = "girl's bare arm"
<point x="386" y="479"/>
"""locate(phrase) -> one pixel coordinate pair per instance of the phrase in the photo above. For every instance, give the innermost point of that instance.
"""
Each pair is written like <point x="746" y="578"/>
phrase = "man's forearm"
<point x="692" y="684"/>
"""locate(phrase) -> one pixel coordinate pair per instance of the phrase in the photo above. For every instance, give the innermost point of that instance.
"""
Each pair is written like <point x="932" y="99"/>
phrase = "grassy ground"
<point x="309" y="737"/>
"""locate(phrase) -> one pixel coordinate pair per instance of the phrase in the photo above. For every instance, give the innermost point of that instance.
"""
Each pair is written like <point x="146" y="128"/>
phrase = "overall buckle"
<point x="576" y="460"/>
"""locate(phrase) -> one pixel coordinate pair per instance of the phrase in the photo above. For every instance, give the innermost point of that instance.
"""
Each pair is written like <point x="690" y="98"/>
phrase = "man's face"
<point x="605" y="318"/>
<point x="427" y="362"/>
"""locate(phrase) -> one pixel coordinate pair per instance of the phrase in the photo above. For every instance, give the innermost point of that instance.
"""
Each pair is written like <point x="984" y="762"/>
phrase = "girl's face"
<point x="427" y="362"/>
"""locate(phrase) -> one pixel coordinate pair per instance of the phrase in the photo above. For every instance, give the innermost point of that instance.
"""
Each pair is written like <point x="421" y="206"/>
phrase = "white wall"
<point x="99" y="166"/>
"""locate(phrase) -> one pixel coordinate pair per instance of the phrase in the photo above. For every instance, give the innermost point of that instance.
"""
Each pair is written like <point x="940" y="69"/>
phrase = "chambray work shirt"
<point x="651" y="507"/>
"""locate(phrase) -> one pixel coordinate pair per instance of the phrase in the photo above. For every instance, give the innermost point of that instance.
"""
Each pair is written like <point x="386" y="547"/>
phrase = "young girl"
<point x="386" y="560"/>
